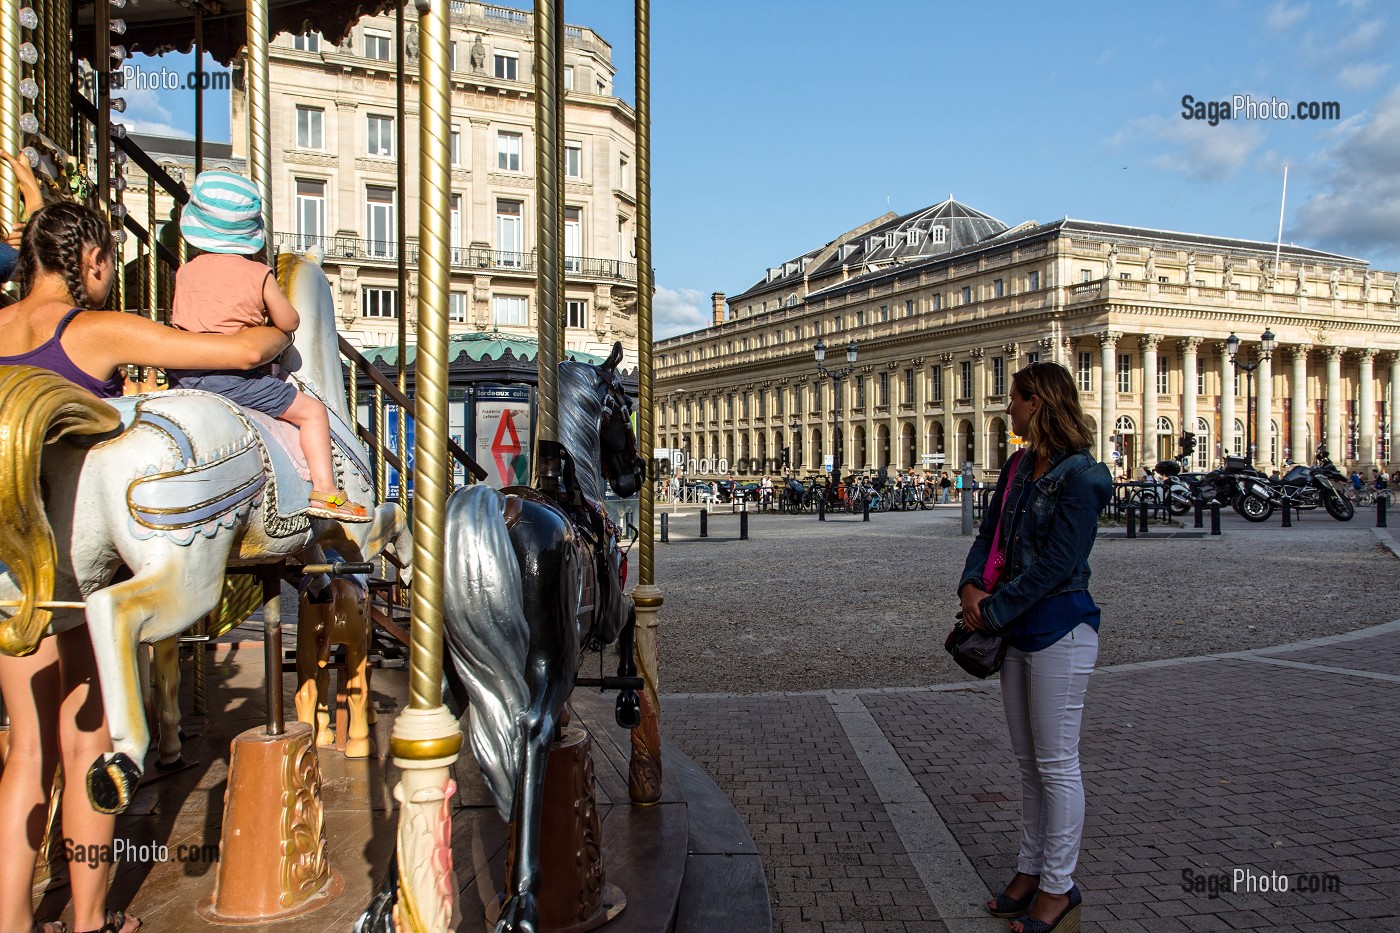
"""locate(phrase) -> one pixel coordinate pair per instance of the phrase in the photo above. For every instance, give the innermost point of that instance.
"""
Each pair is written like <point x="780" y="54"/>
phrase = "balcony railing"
<point x="342" y="248"/>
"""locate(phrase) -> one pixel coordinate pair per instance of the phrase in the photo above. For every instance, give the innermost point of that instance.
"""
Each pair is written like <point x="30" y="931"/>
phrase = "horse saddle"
<point x="219" y="478"/>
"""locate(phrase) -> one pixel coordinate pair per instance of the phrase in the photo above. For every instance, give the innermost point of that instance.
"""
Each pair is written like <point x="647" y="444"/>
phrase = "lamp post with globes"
<point x="1267" y="344"/>
<point x="819" y="351"/>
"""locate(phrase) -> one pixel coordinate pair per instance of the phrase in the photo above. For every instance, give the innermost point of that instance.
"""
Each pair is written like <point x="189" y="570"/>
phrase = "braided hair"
<point x="55" y="240"/>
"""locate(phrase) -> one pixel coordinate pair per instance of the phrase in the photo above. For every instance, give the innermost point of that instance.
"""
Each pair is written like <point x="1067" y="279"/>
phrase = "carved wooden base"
<point x="272" y="861"/>
<point x="574" y="893"/>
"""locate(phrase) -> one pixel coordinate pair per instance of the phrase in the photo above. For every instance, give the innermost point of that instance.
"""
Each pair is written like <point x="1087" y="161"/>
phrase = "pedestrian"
<point x="1275" y="476"/>
<point x="1356" y="480"/>
<point x="1379" y="481"/>
<point x="945" y="484"/>
<point x="957" y="487"/>
<point x="1046" y="508"/>
<point x="675" y="488"/>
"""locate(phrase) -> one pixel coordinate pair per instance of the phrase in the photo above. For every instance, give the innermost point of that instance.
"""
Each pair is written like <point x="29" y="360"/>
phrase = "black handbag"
<point x="980" y="653"/>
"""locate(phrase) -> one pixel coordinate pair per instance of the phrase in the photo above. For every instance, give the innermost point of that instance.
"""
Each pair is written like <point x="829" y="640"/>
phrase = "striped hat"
<point x="224" y="214"/>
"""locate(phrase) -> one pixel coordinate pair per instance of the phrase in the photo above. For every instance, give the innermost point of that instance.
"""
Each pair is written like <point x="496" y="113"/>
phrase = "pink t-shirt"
<point x="218" y="293"/>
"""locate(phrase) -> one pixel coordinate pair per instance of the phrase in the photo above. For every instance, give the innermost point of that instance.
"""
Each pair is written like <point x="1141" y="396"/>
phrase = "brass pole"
<point x="101" y="40"/>
<point x="59" y="106"/>
<point x="198" y="94"/>
<point x="646" y="416"/>
<point x="549" y="164"/>
<point x="430" y="438"/>
<point x="381" y="463"/>
<point x="256" y="79"/>
<point x="426" y="738"/>
<point x="11" y="139"/>
<point x="401" y="212"/>
<point x="644" y="771"/>
<point x="152" y="257"/>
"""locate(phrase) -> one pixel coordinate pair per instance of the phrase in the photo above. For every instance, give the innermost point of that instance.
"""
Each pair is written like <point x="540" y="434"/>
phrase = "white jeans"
<point x="1043" y="694"/>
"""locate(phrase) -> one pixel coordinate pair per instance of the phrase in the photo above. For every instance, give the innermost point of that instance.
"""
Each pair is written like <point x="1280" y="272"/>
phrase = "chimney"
<point x="717" y="301"/>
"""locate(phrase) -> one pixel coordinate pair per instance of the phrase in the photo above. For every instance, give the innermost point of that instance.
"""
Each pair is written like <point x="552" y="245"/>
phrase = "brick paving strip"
<point x="1178" y="778"/>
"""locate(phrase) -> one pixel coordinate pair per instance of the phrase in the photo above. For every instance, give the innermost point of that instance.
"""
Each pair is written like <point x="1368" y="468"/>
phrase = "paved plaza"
<point x="1242" y="720"/>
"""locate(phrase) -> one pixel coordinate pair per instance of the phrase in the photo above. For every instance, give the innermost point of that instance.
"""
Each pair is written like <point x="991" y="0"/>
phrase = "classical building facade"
<point x="946" y="303"/>
<point x="334" y="148"/>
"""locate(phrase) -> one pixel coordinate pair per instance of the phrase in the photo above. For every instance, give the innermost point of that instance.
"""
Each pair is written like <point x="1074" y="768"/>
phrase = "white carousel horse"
<point x="189" y="485"/>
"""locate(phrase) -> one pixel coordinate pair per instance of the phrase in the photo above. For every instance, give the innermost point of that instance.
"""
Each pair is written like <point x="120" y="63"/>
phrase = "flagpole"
<point x="1278" y="244"/>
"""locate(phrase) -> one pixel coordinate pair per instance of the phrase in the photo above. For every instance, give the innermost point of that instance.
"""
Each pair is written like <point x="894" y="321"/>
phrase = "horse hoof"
<point x="357" y="748"/>
<point x="629" y="710"/>
<point x="520" y="914"/>
<point x="111" y="783"/>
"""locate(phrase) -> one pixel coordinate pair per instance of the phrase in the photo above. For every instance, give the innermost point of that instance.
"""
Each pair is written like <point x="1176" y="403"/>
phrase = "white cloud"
<point x="146" y="113"/>
<point x="1192" y="148"/>
<point x="678" y="311"/>
<point x="1282" y="16"/>
<point x="1358" y="208"/>
<point x="1363" y="75"/>
<point x="1326" y="48"/>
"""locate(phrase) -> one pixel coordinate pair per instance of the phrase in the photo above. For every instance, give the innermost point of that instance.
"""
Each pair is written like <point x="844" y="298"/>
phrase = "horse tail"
<point x="37" y="407"/>
<point x="487" y="634"/>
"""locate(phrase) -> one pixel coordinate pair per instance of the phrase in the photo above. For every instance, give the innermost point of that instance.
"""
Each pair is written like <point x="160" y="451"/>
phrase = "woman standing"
<point x="1047" y="501"/>
<point x="67" y="263"/>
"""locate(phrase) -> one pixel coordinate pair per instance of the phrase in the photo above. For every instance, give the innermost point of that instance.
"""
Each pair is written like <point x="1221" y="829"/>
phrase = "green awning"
<point x="479" y="348"/>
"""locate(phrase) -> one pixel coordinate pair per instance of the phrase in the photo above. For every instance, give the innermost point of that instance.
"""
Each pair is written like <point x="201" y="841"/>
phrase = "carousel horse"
<point x="532" y="581"/>
<point x="176" y="486"/>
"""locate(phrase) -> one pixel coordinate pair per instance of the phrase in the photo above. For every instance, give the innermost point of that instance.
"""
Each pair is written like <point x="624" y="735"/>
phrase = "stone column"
<point x="921" y="445"/>
<point x="1189" y="368"/>
<point x="1227" y="404"/>
<point x="1334" y="404"/>
<point x="892" y="416"/>
<point x="1148" y="344"/>
<point x="872" y="393"/>
<point x="1366" y="401"/>
<point x="1392" y="415"/>
<point x="1108" y="392"/>
<point x="1302" y="407"/>
<point x="979" y="408"/>
<point x="950" y="423"/>
<point x="1264" y="382"/>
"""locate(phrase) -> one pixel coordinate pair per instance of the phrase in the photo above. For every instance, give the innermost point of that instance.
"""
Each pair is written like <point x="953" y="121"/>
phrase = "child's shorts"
<point x="254" y="388"/>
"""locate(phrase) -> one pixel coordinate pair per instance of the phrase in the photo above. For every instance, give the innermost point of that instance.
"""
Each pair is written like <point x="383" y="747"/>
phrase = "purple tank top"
<point x="50" y="355"/>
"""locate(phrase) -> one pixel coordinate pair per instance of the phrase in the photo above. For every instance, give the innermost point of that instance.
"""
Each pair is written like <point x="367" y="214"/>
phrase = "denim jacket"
<point x="1047" y="551"/>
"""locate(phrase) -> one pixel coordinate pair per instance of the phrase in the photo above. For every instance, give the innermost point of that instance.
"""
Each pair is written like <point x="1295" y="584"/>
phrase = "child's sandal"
<point x="337" y="507"/>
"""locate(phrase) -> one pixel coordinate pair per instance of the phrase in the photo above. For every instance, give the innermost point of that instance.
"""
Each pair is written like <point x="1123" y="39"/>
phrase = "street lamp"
<point x="1267" y="343"/>
<point x="819" y="351"/>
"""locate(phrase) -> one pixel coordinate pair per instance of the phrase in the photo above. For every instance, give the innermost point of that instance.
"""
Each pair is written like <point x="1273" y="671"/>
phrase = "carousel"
<point x="465" y="773"/>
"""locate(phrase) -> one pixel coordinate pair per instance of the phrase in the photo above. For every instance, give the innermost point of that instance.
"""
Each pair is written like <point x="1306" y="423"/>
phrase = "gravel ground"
<point x="809" y="606"/>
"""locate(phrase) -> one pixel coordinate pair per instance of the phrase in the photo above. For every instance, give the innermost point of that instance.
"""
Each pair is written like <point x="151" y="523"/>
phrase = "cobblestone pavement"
<point x="895" y="808"/>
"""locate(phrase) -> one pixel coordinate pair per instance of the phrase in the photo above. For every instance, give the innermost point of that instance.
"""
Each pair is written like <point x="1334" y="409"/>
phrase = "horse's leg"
<point x="166" y="665"/>
<point x="352" y="629"/>
<point x="313" y="680"/>
<point x="162" y="590"/>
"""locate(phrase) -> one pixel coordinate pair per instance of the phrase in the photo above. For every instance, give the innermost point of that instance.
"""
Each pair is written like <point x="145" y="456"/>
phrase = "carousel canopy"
<point x="479" y="348"/>
<point x="155" y="26"/>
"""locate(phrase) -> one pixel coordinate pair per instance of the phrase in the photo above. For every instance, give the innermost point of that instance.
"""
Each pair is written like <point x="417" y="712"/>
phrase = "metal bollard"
<point x="744" y="526"/>
<point x="1380" y="512"/>
<point x="865" y="510"/>
<point x="1142" y="518"/>
<point x="1215" y="518"/>
<point x="1287" y="512"/>
<point x="704" y="523"/>
<point x="821" y="506"/>
<point x="967" y="499"/>
<point x="1132" y="520"/>
<point x="665" y="527"/>
<point x="1200" y="514"/>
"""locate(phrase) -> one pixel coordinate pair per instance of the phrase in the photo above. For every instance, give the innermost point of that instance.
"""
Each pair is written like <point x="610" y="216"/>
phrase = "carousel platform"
<point x="685" y="865"/>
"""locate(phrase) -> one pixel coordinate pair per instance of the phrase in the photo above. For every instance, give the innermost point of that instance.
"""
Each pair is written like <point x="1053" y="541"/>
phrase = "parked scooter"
<point x="1303" y="487"/>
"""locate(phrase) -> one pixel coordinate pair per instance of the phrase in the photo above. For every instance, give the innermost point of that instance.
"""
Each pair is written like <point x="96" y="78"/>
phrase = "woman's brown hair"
<point x="1059" y="424"/>
<point x="55" y="240"/>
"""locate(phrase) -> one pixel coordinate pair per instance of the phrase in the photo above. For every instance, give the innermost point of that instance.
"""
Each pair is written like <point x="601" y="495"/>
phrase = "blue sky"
<point x="776" y="126"/>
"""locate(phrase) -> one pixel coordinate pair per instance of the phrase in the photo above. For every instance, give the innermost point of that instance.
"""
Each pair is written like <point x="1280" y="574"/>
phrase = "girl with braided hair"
<point x="66" y="264"/>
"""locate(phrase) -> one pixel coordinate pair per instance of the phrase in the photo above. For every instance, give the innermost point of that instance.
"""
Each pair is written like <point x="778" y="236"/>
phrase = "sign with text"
<point x="503" y="434"/>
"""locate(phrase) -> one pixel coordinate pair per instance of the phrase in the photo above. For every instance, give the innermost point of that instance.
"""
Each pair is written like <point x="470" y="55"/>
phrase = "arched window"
<point x="1166" y="443"/>
<point x="1204" y="447"/>
<point x="1238" y="443"/>
<point x="1124" y="425"/>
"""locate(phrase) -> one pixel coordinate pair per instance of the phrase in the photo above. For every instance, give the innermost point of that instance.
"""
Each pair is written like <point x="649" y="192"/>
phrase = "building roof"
<point x="181" y="147"/>
<point x="478" y="347"/>
<point x="943" y="228"/>
<point x="1221" y="243"/>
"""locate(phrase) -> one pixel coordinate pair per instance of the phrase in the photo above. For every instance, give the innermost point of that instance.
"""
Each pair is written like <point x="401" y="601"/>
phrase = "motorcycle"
<point x="1303" y="487"/>
<point x="1227" y="485"/>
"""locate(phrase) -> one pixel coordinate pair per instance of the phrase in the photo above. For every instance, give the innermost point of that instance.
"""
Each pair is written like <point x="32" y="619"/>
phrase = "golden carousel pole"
<point x="426" y="738"/>
<point x="644" y="770"/>
<point x="11" y="138"/>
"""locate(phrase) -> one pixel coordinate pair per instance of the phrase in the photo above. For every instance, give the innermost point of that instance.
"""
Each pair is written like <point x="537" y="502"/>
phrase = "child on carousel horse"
<point x="225" y="290"/>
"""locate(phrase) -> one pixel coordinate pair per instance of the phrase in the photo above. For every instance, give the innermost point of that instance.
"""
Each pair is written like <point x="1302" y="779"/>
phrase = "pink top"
<point x="219" y="293"/>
